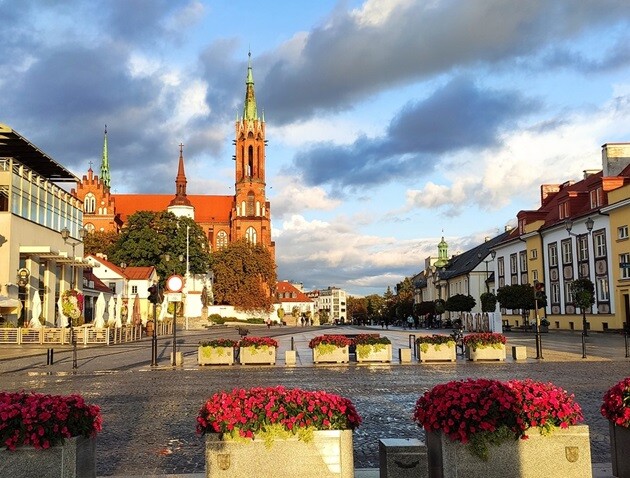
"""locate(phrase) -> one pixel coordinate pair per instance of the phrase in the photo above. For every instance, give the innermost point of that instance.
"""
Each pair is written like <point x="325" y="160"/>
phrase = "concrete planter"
<point x="566" y="453"/>
<point x="486" y="353"/>
<point x="215" y="355"/>
<point x="620" y="450"/>
<point x="437" y="352"/>
<point x="76" y="458"/>
<point x="260" y="355"/>
<point x="369" y="353"/>
<point x="329" y="454"/>
<point x="336" y="355"/>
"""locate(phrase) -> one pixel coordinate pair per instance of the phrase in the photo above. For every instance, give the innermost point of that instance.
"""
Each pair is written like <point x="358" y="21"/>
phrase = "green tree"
<point x="488" y="302"/>
<point x="357" y="308"/>
<point x="244" y="276"/>
<point x="460" y="303"/>
<point x="375" y="305"/>
<point x="404" y="299"/>
<point x="583" y="292"/>
<point x="424" y="307"/>
<point x="149" y="237"/>
<point x="521" y="297"/>
<point x="103" y="242"/>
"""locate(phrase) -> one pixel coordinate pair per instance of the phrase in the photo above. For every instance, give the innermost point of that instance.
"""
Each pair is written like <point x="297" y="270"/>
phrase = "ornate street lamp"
<point x="65" y="235"/>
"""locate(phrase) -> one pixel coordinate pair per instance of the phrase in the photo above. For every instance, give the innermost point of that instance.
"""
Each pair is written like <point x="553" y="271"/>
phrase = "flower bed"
<point x="330" y="348"/>
<point x="373" y="348"/>
<point x="434" y="348"/>
<point x="265" y="413"/>
<point x="41" y="421"/>
<point x="484" y="412"/>
<point x="616" y="408"/>
<point x="485" y="346"/>
<point x="216" y="352"/>
<point x="257" y="350"/>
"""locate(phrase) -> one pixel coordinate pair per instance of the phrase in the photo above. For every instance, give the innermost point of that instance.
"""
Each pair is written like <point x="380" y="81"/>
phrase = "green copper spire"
<point x="249" y="110"/>
<point x="105" y="162"/>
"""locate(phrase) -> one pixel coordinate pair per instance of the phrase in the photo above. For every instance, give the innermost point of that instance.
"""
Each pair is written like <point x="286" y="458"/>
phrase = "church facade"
<point x="224" y="219"/>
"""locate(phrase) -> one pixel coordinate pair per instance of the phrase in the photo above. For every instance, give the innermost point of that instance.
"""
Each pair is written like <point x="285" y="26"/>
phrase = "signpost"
<point x="174" y="285"/>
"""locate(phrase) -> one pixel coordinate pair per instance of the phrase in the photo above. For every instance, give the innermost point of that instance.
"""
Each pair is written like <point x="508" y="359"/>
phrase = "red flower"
<point x="257" y="342"/>
<point x="336" y="340"/>
<point x="616" y="405"/>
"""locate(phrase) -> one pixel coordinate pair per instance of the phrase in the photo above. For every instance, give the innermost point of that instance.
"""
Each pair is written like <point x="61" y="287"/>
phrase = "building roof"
<point x="14" y="145"/>
<point x="129" y="272"/>
<point x="469" y="260"/>
<point x="295" y="295"/>
<point x="99" y="285"/>
<point x="207" y="208"/>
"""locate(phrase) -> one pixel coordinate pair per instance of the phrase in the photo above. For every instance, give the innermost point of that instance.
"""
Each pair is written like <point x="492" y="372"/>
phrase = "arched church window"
<point x="89" y="227"/>
<point x="250" y="161"/>
<point x="222" y="239"/>
<point x="89" y="203"/>
<point x="250" y="235"/>
<point x="250" y="204"/>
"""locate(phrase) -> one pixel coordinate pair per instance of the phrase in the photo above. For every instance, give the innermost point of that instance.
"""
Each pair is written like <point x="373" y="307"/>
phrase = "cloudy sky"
<point x="390" y="123"/>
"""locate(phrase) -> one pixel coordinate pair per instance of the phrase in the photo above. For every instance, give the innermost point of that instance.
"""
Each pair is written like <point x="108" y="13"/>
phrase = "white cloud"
<point x="291" y="197"/>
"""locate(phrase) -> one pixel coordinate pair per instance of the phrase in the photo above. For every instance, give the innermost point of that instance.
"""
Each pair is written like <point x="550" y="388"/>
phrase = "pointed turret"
<point x="249" y="110"/>
<point x="442" y="259"/>
<point x="105" y="163"/>
<point x="180" y="198"/>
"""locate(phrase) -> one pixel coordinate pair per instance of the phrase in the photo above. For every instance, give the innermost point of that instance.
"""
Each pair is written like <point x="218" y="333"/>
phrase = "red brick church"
<point x="223" y="218"/>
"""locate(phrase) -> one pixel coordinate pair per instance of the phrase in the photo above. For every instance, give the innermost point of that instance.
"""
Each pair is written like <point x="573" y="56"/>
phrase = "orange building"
<point x="223" y="218"/>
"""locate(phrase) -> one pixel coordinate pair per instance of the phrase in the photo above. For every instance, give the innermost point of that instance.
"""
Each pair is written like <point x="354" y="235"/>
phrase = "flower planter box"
<point x="620" y="450"/>
<point x="329" y="454"/>
<point x="257" y="355"/>
<point x="437" y="352"/>
<point x="371" y="353"/>
<point x="76" y="458"/>
<point x="566" y="453"/>
<point x="208" y="355"/>
<point x="486" y="353"/>
<point x="331" y="355"/>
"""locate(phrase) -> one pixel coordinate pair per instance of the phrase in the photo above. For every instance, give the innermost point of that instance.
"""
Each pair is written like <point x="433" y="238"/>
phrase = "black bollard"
<point x="50" y="356"/>
<point x="292" y="343"/>
<point x="412" y="345"/>
<point x="583" y="345"/>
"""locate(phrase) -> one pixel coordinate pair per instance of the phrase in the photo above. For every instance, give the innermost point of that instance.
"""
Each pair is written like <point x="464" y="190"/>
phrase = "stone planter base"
<point x="328" y="455"/>
<point x="338" y="355"/>
<point x="486" y="353"/>
<point x="76" y="458"/>
<point x="215" y="355"/>
<point x="257" y="356"/>
<point x="383" y="355"/>
<point x="565" y="453"/>
<point x="442" y="353"/>
<point x="620" y="450"/>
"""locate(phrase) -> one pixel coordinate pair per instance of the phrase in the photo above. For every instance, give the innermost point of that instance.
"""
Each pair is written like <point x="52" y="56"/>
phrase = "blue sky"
<point x="389" y="123"/>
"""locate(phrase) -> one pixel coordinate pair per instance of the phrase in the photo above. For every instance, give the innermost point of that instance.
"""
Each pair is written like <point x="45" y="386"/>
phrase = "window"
<point x="250" y="204"/>
<point x="89" y="203"/>
<point x="534" y="275"/>
<point x="250" y="235"/>
<point x="501" y="267"/>
<point x="523" y="260"/>
<point x="563" y="210"/>
<point x="568" y="293"/>
<point x="512" y="263"/>
<point x="567" y="252"/>
<point x="553" y="254"/>
<point x="622" y="232"/>
<point x="624" y="265"/>
<point x="603" y="292"/>
<point x="600" y="244"/>
<point x="554" y="293"/>
<point x="582" y="244"/>
<point x="134" y="289"/>
<point x="534" y="254"/>
<point x="597" y="197"/>
<point x="89" y="227"/>
<point x="222" y="239"/>
<point x="112" y="287"/>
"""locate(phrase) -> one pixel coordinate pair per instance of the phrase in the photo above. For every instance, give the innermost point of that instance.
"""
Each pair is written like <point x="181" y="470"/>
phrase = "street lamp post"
<point x="493" y="254"/>
<point x="65" y="235"/>
<point x="568" y="225"/>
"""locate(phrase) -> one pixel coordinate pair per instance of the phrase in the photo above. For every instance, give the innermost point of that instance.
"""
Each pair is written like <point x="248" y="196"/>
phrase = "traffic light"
<point x="154" y="294"/>
<point x="539" y="293"/>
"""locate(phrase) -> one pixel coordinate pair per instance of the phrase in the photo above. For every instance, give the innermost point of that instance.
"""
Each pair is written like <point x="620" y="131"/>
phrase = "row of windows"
<point x="40" y="201"/>
<point x="222" y="238"/>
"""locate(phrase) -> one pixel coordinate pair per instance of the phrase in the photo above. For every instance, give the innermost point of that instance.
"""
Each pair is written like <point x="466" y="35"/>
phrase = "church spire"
<point x="249" y="110"/>
<point x="442" y="260"/>
<point x="180" y="198"/>
<point x="105" y="163"/>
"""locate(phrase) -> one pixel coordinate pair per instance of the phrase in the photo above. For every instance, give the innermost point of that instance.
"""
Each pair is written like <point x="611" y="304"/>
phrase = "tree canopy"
<point x="244" y="276"/>
<point x="103" y="242"/>
<point x="150" y="236"/>
<point x="460" y="303"/>
<point x="583" y="293"/>
<point x="488" y="302"/>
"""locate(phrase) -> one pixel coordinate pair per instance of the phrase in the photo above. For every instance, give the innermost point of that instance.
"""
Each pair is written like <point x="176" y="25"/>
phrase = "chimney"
<point x="548" y="191"/>
<point x="590" y="172"/>
<point x="615" y="157"/>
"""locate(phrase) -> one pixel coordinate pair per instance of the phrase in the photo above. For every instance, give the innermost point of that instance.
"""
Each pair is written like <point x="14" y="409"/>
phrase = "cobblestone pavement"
<point x="149" y="413"/>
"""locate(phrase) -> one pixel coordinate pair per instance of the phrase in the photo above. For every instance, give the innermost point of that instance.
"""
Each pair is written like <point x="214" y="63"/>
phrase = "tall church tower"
<point x="251" y="214"/>
<point x="180" y="205"/>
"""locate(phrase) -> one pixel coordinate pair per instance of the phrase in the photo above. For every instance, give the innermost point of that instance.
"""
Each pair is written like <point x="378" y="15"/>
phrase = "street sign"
<point x="174" y="297"/>
<point x="175" y="283"/>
